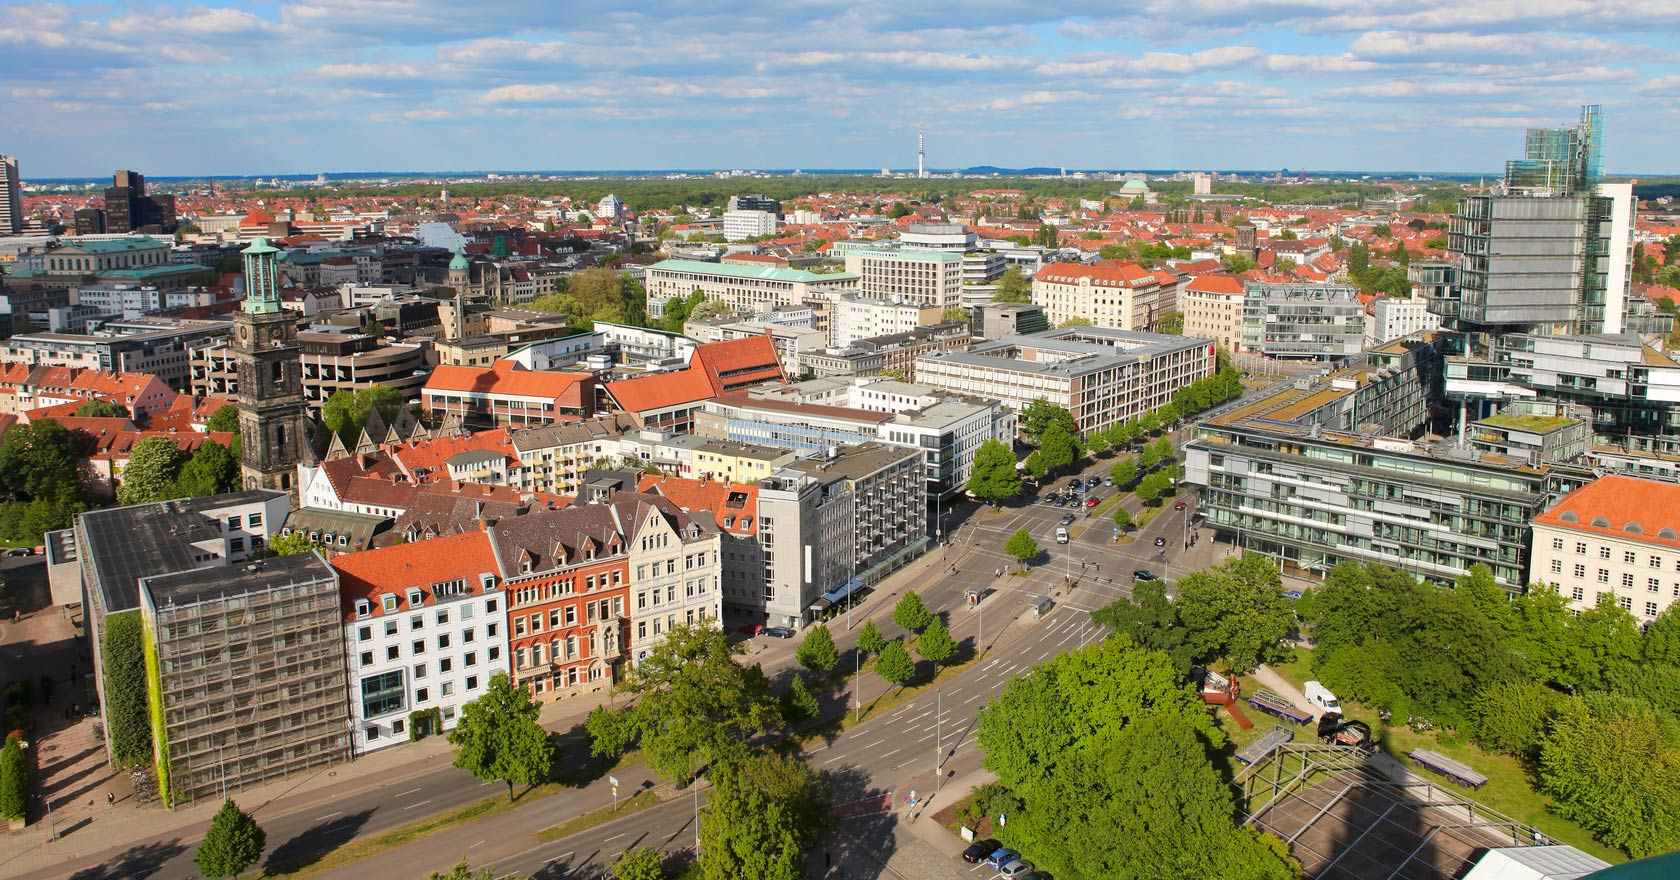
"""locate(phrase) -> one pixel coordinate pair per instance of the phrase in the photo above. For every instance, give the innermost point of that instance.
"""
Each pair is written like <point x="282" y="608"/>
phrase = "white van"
<point x="1061" y="535"/>
<point x="1319" y="697"/>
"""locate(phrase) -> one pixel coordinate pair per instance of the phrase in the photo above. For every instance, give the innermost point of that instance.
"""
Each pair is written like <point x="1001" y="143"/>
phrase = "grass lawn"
<point x="1509" y="788"/>
<point x="636" y="803"/>
<point x="1107" y="507"/>
<point x="361" y="849"/>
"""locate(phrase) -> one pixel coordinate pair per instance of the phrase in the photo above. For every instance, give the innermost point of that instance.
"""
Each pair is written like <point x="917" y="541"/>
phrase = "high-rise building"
<point x="129" y="209"/>
<point x="11" y="197"/>
<point x="1548" y="252"/>
<point x="273" y="420"/>
<point x="755" y="202"/>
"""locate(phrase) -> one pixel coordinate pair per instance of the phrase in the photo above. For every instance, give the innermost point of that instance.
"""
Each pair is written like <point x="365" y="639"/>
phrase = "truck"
<point x="1061" y="535"/>
<point x="1275" y="704"/>
<point x="1333" y="729"/>
<point x="1319" y="697"/>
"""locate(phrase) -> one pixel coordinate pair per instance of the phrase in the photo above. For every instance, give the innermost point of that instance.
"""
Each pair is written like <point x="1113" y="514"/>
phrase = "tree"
<point x="234" y="842"/>
<point x="224" y="420"/>
<point x="286" y="545"/>
<point x="1235" y="611"/>
<point x="372" y="327"/>
<point x="765" y="811"/>
<point x="1039" y="415"/>
<point x="1149" y="619"/>
<point x="1058" y="447"/>
<point x="1124" y="472"/>
<point x="153" y="466"/>
<point x="211" y="471"/>
<point x="870" y="640"/>
<point x="935" y="643"/>
<point x="1013" y="287"/>
<point x="1122" y="517"/>
<point x="639" y="863"/>
<point x="1172" y="323"/>
<point x="911" y="613"/>
<point x="14" y="781"/>
<point x="797" y="704"/>
<point x="695" y="704"/>
<point x="1662" y="638"/>
<point x="346" y="412"/>
<point x="1021" y="545"/>
<point x="894" y="665"/>
<point x="817" y="652"/>
<point x="102" y="409"/>
<point x="1512" y="716"/>
<point x="994" y="478"/>
<point x="1613" y="765"/>
<point x="464" y="871"/>
<point x="498" y="737"/>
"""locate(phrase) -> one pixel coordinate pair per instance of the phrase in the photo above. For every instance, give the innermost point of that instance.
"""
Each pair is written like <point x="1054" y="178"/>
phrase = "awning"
<point x="820" y="606"/>
<point x="844" y="590"/>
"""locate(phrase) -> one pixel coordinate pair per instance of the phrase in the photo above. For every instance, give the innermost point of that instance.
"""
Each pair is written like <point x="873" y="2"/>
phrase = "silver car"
<point x="1015" y="870"/>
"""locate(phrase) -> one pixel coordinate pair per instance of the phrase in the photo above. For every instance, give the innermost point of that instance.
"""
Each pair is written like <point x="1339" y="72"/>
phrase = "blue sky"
<point x="347" y="85"/>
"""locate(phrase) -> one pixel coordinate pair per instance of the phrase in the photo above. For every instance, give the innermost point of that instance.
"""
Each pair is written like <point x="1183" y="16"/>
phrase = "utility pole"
<point x="857" y="695"/>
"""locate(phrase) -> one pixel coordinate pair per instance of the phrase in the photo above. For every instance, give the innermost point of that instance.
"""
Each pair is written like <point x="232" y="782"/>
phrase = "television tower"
<point x="921" y="154"/>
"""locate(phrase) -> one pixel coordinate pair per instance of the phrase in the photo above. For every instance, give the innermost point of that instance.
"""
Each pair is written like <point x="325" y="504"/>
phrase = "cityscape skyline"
<point x="246" y="89"/>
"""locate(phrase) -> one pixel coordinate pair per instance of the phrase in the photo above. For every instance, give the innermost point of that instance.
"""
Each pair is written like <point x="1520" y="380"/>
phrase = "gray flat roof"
<point x="1080" y="357"/>
<point x="190" y="587"/>
<point x="143" y="540"/>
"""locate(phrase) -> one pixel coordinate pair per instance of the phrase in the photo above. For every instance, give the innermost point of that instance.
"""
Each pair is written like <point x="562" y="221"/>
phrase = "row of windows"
<point x="1579" y="572"/>
<point x="1629" y="557"/>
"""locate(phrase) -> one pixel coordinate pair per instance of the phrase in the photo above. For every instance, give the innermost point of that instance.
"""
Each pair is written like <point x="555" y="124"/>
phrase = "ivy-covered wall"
<point x="127" y="716"/>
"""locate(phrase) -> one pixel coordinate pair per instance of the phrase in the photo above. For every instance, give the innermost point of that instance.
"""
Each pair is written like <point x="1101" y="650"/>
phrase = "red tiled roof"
<point x="738" y="363"/>
<point x="661" y="390"/>
<point x="1102" y="274"/>
<point x="1226" y="284"/>
<point x="374" y="574"/>
<point x="503" y="378"/>
<point x="712" y="495"/>
<point x="1649" y="505"/>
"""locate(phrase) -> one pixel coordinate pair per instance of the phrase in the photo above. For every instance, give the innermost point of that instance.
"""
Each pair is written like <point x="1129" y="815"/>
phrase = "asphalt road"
<point x="869" y="761"/>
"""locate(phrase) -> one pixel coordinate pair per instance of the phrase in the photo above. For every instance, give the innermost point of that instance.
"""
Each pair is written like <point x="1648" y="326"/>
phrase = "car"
<point x="1291" y="594"/>
<point x="18" y="551"/>
<point x="978" y="850"/>
<point x="780" y="632"/>
<point x="1001" y="856"/>
<point x="1108" y="481"/>
<point x="1093" y="483"/>
<point x="1016" y="870"/>
<point x="1160" y="541"/>
<point x="1093" y="501"/>
<point x="1061" y="501"/>
<point x="1074" y="484"/>
<point x="1178" y="505"/>
<point x="751" y="629"/>
<point x="1068" y="518"/>
<point x="1144" y="574"/>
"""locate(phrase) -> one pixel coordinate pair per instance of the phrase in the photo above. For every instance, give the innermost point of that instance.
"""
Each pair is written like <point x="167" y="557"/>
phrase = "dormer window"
<point x="415" y="597"/>
<point x="389" y="603"/>
<point x="363" y="609"/>
<point x="487" y="581"/>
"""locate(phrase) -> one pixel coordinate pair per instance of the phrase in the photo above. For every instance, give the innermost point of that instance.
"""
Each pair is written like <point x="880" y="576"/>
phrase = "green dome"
<point x="459" y="264"/>
<point x="1134" y="185"/>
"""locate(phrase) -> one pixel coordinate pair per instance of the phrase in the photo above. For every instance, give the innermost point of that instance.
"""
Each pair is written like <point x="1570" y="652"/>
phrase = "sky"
<point x="426" y="85"/>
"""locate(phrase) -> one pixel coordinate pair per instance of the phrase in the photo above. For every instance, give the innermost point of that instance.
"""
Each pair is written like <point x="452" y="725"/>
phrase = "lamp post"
<point x="939" y="740"/>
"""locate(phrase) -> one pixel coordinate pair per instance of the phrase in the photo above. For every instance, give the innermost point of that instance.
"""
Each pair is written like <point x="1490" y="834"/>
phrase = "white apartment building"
<point x="1389" y="318"/>
<point x="425" y="629"/>
<point x="747" y="289"/>
<point x="742" y="225"/>
<point x="677" y="575"/>
<point x="1123" y="297"/>
<point x="924" y="277"/>
<point x="1616" y="537"/>
<point x="1213" y="309"/>
<point x="851" y="318"/>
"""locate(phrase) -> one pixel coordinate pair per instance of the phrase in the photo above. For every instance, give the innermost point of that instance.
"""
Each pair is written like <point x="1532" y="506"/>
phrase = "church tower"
<point x="273" y="421"/>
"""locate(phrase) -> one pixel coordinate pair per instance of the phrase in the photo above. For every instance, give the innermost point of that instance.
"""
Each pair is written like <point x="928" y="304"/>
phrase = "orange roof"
<point x="505" y="378"/>
<point x="1629" y="508"/>
<point x="736" y="503"/>
<point x="661" y="390"/>
<point x="391" y="571"/>
<point x="1101" y="274"/>
<point x="259" y="217"/>
<point x="1226" y="284"/>
<point x="433" y="453"/>
<point x="738" y="363"/>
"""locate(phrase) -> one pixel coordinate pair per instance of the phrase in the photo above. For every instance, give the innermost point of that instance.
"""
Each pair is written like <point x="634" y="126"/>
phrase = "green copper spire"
<point x="262" y="292"/>
<point x="459" y="264"/>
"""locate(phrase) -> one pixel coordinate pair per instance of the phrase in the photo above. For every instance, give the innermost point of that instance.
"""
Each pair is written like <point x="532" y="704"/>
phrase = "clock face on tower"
<point x="244" y="336"/>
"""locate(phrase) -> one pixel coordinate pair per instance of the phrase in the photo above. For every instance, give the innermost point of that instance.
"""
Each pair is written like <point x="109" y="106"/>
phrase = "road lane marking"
<point x="420" y="804"/>
<point x="891" y="753"/>
<point x="409" y="792"/>
<point x="327" y="816"/>
<point x="476" y="845"/>
<point x="614" y="837"/>
<point x="833" y="759"/>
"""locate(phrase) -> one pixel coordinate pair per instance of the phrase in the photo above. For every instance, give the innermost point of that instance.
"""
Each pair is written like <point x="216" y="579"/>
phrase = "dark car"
<point x="978" y="850"/>
<point x="1093" y="483"/>
<point x="1074" y="484"/>
<point x="780" y="632"/>
<point x="1144" y="574"/>
<point x="751" y="629"/>
<point x="1061" y="501"/>
<point x="1160" y="541"/>
<point x="1178" y="506"/>
<point x="1068" y="518"/>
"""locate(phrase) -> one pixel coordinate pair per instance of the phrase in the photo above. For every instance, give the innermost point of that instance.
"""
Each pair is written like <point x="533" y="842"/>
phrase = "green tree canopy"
<point x="1235" y="612"/>
<point x="817" y="651"/>
<point x="911" y="613"/>
<point x="935" y="643"/>
<point x="994" y="477"/>
<point x="695" y="704"/>
<point x="1124" y="473"/>
<point x="1057" y="448"/>
<point x="212" y="470"/>
<point x="599" y="294"/>
<point x="1613" y="764"/>
<point x="464" y="871"/>
<point x="224" y="420"/>
<point x="1150" y="620"/>
<point x="102" y="409"/>
<point x="870" y="640"/>
<point x="14" y="781"/>
<point x="1172" y="323"/>
<point x="1512" y="716"/>
<point x="639" y="863"/>
<point x="764" y="812"/>
<point x="1040" y="415"/>
<point x="1021" y="545"/>
<point x="286" y="545"/>
<point x="346" y="412"/>
<point x="797" y="703"/>
<point x="153" y="466"/>
<point x="894" y="665"/>
<point x="1013" y="287"/>
<point x="233" y="843"/>
<point x="1122" y="516"/>
<point x="498" y="737"/>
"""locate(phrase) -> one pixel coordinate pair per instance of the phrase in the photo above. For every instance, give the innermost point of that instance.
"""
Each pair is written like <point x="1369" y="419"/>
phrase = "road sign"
<point x="613" y="780"/>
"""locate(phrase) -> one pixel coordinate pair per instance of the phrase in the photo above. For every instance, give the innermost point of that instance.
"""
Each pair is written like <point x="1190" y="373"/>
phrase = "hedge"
<point x="14" y="781"/>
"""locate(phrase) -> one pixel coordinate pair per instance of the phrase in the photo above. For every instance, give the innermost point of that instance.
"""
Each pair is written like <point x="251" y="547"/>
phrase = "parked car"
<point x="1093" y="482"/>
<point x="1291" y="594"/>
<point x="1068" y="518"/>
<point x="18" y="551"/>
<point x="1160" y="541"/>
<point x="1074" y="484"/>
<point x="1061" y="501"/>
<point x="1108" y="481"/>
<point x="1001" y="856"/>
<point x="780" y="632"/>
<point x="1144" y="574"/>
<point x="1178" y="505"/>
<point x="1016" y="870"/>
<point x="978" y="850"/>
<point x="751" y="629"/>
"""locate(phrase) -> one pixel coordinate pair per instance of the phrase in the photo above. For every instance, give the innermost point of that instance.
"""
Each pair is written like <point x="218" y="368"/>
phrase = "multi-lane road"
<point x="868" y="762"/>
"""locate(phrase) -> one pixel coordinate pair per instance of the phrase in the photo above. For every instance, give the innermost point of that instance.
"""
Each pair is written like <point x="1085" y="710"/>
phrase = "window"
<point x="1628" y="557"/>
<point x="1557" y="566"/>
<point x="390" y="604"/>
<point x="396" y="726"/>
<point x="1557" y="543"/>
<point x="233" y="523"/>
<point x="382" y="694"/>
<point x="254" y="521"/>
<point x="467" y="611"/>
<point x="519" y="626"/>
<point x="367" y="658"/>
<point x="1650" y="609"/>
<point x="236" y="545"/>
<point x="1656" y="562"/>
<point x="392" y="652"/>
<point x="421" y="696"/>
<point x="1603" y="552"/>
<point x="1652" y="585"/>
<point x="1577" y="593"/>
<point x="390" y="627"/>
<point x="472" y="682"/>
<point x="490" y="630"/>
<point x="419" y="670"/>
<point x="417" y="621"/>
<point x="418" y="646"/>
<point x="364" y="634"/>
<point x="445" y="664"/>
<point x="1604" y="575"/>
<point x="471" y="658"/>
<point x="641" y="625"/>
<point x="1626" y="603"/>
<point x="467" y="636"/>
<point x="443" y="642"/>
<point x="448" y="688"/>
<point x="1580" y="548"/>
<point x="490" y="606"/>
<point x="372" y="731"/>
<point x="442" y="616"/>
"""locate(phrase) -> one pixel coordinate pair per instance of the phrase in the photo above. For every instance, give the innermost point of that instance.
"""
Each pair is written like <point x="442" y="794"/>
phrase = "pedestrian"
<point x="110" y="797"/>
